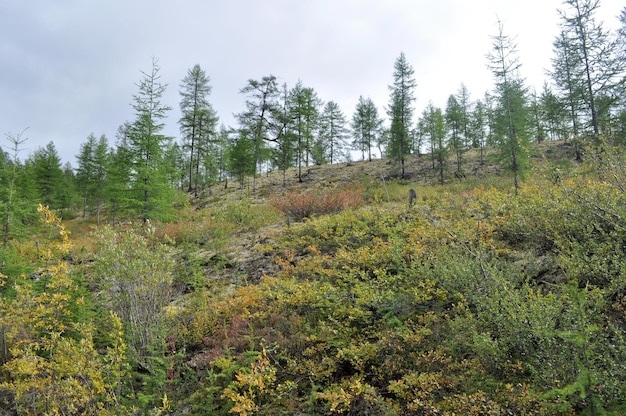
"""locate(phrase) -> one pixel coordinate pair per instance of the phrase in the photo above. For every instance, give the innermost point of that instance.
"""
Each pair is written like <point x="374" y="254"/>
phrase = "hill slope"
<point x="469" y="302"/>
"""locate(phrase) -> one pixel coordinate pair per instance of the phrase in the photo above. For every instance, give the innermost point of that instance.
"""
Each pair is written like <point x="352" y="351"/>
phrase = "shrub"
<point x="303" y="204"/>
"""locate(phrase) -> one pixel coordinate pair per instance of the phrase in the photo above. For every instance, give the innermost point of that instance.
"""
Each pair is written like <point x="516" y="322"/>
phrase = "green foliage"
<point x="400" y="111"/>
<point x="471" y="301"/>
<point x="437" y="310"/>
<point x="149" y="192"/>
<point x="134" y="276"/>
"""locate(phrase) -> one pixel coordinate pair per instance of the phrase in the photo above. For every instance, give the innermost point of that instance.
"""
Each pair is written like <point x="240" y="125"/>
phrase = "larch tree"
<point x="91" y="173"/>
<point x="536" y="119"/>
<point x="511" y="112"/>
<point x="400" y="111"/>
<point x="463" y="97"/>
<point x="84" y="171"/>
<point x="366" y="126"/>
<point x="257" y="119"/>
<point x="119" y="171"/>
<point x="478" y="128"/>
<point x="554" y="114"/>
<point x="588" y="62"/>
<point x="198" y="121"/>
<point x="433" y="128"/>
<point x="284" y="151"/>
<point x="68" y="195"/>
<point x="11" y="206"/>
<point x="565" y="74"/>
<point x="241" y="156"/>
<point x="331" y="140"/>
<point x="454" y="124"/>
<point x="48" y="175"/>
<point x="152" y="196"/>
<point x="304" y="115"/>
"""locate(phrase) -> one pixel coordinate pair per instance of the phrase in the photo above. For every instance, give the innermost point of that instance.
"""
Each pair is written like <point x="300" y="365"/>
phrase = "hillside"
<point x="332" y="295"/>
<point x="374" y="175"/>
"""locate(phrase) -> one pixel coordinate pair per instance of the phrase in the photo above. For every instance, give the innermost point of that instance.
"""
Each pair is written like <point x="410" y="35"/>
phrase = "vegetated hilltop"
<point x="332" y="295"/>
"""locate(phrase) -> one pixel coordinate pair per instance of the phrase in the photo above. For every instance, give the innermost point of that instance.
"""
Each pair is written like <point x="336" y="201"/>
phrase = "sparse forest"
<point x="259" y="269"/>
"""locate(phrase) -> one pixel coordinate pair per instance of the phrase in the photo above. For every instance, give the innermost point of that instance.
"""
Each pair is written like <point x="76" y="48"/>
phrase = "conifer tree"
<point x="47" y="175"/>
<point x="454" y="123"/>
<point x="91" y="174"/>
<point x="284" y="153"/>
<point x="11" y="202"/>
<point x="587" y="65"/>
<point x="331" y="141"/>
<point x="432" y="126"/>
<point x="241" y="157"/>
<point x="151" y="194"/>
<point x="304" y="115"/>
<point x="198" y="121"/>
<point x="366" y="126"/>
<point x="511" y="113"/>
<point x="118" y="173"/>
<point x="257" y="119"/>
<point x="400" y="111"/>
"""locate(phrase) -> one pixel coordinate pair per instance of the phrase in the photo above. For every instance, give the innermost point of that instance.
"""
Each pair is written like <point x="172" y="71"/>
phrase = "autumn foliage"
<point x="472" y="301"/>
<point x="299" y="204"/>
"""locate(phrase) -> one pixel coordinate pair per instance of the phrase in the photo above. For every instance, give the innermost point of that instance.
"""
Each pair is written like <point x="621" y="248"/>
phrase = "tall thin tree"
<point x="511" y="116"/>
<point x="400" y="111"/>
<point x="260" y="107"/>
<point x="152" y="194"/>
<point x="198" y="121"/>
<point x="592" y="61"/>
<point x="366" y="126"/>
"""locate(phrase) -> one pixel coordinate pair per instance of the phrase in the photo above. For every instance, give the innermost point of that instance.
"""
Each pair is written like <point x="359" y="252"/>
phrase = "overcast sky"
<point x="70" y="67"/>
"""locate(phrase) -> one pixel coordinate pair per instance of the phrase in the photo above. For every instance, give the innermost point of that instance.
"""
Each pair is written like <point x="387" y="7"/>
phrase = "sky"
<point x="70" y="68"/>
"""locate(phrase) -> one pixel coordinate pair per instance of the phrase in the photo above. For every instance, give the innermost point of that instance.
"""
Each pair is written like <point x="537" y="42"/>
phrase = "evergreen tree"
<point x="331" y="141"/>
<point x="588" y="64"/>
<point x="198" y="121"/>
<point x="432" y="126"/>
<point x="304" y="115"/>
<point x="366" y="126"/>
<point x="536" y="123"/>
<point x="91" y="174"/>
<point x="47" y="175"/>
<point x="554" y="114"/>
<point x="241" y="160"/>
<point x="13" y="206"/>
<point x="478" y="127"/>
<point x="261" y="106"/>
<point x="511" y="113"/>
<point x="151" y="193"/>
<point x="119" y="171"/>
<point x="454" y="123"/>
<point x="566" y="76"/>
<point x="84" y="171"/>
<point x="69" y="194"/>
<point x="101" y="163"/>
<point x="284" y="153"/>
<point x="400" y="111"/>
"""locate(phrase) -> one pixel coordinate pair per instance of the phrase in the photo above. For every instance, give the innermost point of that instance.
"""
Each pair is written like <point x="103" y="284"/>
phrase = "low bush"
<point x="303" y="204"/>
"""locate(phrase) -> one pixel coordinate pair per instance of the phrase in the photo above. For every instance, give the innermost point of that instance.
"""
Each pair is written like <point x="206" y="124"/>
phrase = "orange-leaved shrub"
<point x="302" y="204"/>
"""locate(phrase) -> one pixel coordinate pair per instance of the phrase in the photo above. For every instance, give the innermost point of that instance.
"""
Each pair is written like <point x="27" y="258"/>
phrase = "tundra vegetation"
<point x="473" y="301"/>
